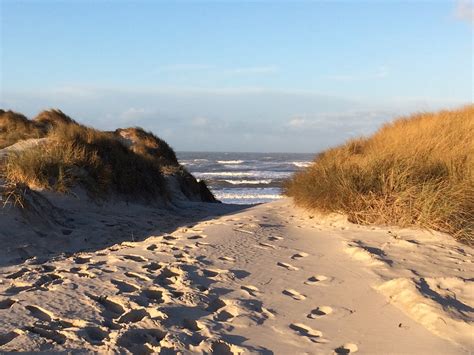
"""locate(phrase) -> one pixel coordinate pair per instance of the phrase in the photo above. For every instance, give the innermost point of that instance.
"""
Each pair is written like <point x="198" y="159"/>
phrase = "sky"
<point x="258" y="76"/>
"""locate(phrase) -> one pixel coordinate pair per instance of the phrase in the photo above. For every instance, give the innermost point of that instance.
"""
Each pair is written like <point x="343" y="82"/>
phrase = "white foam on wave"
<point x="302" y="164"/>
<point x="256" y="174"/>
<point x="230" y="162"/>
<point x="252" y="195"/>
<point x="249" y="182"/>
<point x="224" y="173"/>
<point x="237" y="196"/>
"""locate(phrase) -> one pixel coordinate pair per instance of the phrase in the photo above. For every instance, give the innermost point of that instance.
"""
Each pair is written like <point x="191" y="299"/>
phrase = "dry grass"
<point x="76" y="154"/>
<point x="416" y="171"/>
<point x="14" y="127"/>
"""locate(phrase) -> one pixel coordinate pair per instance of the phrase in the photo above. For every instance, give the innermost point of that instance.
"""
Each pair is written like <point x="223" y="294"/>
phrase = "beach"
<point x="230" y="279"/>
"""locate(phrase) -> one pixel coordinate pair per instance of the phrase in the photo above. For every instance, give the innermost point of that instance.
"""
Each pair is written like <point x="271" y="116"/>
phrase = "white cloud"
<point x="219" y="118"/>
<point x="464" y="11"/>
<point x="297" y="122"/>
<point x="200" y="121"/>
<point x="132" y="114"/>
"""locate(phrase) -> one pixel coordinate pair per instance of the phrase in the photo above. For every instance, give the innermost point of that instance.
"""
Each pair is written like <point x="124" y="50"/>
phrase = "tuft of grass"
<point x="147" y="144"/>
<point x="15" y="127"/>
<point x="415" y="171"/>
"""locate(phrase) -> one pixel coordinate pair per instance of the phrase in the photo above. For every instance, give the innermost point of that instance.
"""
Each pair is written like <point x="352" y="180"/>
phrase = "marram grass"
<point x="415" y="171"/>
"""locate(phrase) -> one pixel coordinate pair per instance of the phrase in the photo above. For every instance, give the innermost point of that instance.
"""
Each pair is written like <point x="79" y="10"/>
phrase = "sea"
<point x="244" y="178"/>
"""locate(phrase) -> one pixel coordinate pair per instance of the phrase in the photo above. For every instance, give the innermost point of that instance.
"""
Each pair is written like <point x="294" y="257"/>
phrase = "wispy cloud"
<point x="464" y="11"/>
<point x="217" y="119"/>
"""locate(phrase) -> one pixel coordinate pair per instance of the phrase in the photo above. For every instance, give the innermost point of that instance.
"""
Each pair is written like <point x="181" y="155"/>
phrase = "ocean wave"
<point x="237" y="196"/>
<point x="255" y="174"/>
<point x="301" y="164"/>
<point x="249" y="182"/>
<point x="224" y="173"/>
<point x="230" y="162"/>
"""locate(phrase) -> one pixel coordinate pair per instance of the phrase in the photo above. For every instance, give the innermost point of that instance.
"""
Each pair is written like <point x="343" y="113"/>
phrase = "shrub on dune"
<point x="418" y="170"/>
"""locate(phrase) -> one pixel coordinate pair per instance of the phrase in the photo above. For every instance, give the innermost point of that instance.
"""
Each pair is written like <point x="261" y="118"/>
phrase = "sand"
<point x="221" y="279"/>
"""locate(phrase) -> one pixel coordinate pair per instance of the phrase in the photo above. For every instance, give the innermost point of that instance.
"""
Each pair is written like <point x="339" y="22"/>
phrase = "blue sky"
<point x="235" y="75"/>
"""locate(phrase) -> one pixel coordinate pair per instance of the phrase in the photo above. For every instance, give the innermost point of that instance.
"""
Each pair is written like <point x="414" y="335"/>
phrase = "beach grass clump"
<point x="415" y="171"/>
<point x="15" y="127"/>
<point x="75" y="154"/>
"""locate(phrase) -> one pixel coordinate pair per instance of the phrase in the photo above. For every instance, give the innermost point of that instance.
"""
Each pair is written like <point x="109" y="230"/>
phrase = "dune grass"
<point x="128" y="161"/>
<point x="416" y="171"/>
<point x="14" y="127"/>
<point x="77" y="154"/>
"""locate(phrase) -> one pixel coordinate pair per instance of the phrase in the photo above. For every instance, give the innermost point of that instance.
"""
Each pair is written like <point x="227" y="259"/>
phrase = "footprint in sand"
<point x="251" y="290"/>
<point x="197" y="236"/>
<point x="7" y="303"/>
<point x="48" y="279"/>
<point x="313" y="280"/>
<point x="153" y="266"/>
<point x="45" y="332"/>
<point x="216" y="304"/>
<point x="152" y="247"/>
<point x="266" y="245"/>
<point x="137" y="276"/>
<point x="142" y="341"/>
<point x="193" y="325"/>
<point x="170" y="237"/>
<point x="5" y="338"/>
<point x="287" y="266"/>
<point x="154" y="294"/>
<point x="300" y="255"/>
<point x="111" y="305"/>
<point x="223" y="348"/>
<point x="212" y="272"/>
<point x="347" y="348"/>
<point x="18" y="273"/>
<point x="227" y="314"/>
<point x="294" y="294"/>
<point x="124" y="286"/>
<point x="94" y="335"/>
<point x="82" y="259"/>
<point x="321" y="311"/>
<point x="40" y="313"/>
<point x="133" y="316"/>
<point x="274" y="238"/>
<point x="133" y="257"/>
<point x="202" y="244"/>
<point x="17" y="288"/>
<point x="48" y="268"/>
<point x="306" y="330"/>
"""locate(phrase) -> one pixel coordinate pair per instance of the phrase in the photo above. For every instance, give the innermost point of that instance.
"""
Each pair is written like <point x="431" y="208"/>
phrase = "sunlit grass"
<point x="418" y="170"/>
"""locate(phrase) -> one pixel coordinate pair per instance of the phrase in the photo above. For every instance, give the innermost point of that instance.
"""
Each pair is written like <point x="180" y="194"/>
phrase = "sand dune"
<point x="227" y="280"/>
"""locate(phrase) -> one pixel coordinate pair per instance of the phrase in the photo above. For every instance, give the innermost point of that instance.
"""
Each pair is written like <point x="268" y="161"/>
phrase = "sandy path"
<point x="268" y="279"/>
